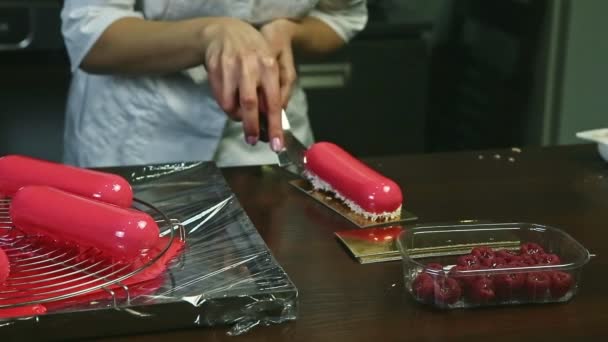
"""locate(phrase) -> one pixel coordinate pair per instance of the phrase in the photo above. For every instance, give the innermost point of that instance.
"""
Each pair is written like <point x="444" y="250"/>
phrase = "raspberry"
<point x="467" y="260"/>
<point x="514" y="264"/>
<point x="537" y="284"/>
<point x="508" y="285"/>
<point x="486" y="262"/>
<point x="447" y="291"/>
<point x="561" y="282"/>
<point x="514" y="259"/>
<point x="482" y="290"/>
<point x="547" y="259"/>
<point x="528" y="260"/>
<point x="487" y="275"/>
<point x="465" y="280"/>
<point x="505" y="253"/>
<point x="483" y="252"/>
<point x="423" y="287"/>
<point x="493" y="262"/>
<point x="531" y="248"/>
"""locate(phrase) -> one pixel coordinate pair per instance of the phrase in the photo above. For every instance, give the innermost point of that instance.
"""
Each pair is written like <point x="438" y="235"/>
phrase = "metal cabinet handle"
<point x="26" y="42"/>
<point x="324" y="76"/>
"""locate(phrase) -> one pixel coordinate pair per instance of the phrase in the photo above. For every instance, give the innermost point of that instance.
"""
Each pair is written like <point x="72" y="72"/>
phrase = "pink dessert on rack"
<point x="17" y="171"/>
<point x="120" y="233"/>
<point x="5" y="266"/>
<point x="362" y="189"/>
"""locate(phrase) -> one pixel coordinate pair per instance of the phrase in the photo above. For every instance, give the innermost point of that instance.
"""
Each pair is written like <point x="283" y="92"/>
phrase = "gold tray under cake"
<point x="338" y="206"/>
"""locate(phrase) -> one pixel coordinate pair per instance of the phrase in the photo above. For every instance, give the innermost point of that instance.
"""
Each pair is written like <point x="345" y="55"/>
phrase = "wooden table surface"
<point x="341" y="300"/>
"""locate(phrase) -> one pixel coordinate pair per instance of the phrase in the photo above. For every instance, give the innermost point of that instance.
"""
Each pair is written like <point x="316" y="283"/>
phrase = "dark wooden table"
<point x="341" y="300"/>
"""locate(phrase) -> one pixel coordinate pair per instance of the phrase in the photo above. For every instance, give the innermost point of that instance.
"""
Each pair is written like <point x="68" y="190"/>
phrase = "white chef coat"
<point x="134" y="120"/>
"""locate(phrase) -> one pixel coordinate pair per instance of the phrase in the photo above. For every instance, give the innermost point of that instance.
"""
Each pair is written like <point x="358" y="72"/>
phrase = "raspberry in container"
<point x="475" y="265"/>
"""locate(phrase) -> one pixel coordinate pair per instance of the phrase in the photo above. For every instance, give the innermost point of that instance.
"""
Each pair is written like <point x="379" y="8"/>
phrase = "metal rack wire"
<point x="43" y="271"/>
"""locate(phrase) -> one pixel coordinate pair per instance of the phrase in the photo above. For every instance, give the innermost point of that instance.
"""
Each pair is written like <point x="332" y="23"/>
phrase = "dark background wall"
<point x="34" y="77"/>
<point x="33" y="88"/>
<point x="424" y="76"/>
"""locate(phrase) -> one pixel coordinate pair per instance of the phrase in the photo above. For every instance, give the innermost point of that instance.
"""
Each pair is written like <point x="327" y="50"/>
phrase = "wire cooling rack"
<point x="44" y="271"/>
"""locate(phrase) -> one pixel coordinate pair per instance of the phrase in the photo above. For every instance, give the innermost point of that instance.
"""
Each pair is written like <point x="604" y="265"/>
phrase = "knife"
<point x="291" y="158"/>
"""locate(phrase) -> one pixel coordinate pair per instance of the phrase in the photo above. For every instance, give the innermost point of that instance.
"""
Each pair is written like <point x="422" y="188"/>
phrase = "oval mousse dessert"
<point x="365" y="191"/>
<point x="17" y="171"/>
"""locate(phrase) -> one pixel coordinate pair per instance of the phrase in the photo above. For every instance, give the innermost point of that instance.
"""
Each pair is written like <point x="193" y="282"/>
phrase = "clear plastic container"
<point x="503" y="275"/>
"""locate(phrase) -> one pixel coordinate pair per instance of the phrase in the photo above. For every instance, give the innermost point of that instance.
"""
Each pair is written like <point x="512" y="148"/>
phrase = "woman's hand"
<point x="241" y="65"/>
<point x="279" y="35"/>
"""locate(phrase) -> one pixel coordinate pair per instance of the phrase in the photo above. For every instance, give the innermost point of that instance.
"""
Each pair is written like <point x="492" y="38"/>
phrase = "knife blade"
<point x="291" y="157"/>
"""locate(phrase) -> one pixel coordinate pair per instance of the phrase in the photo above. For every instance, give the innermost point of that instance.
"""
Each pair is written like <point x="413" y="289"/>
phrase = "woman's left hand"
<point x="279" y="35"/>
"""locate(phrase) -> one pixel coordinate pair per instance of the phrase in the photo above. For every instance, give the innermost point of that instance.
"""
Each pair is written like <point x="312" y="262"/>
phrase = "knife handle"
<point x="263" y="116"/>
<point x="263" y="123"/>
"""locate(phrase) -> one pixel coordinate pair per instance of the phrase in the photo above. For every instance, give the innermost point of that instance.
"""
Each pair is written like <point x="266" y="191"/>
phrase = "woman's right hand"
<point x="241" y="66"/>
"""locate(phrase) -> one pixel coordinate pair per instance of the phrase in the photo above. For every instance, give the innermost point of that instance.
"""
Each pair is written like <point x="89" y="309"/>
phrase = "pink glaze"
<point x="5" y="266"/>
<point x="23" y="311"/>
<point x="117" y="232"/>
<point x="351" y="178"/>
<point x="17" y="171"/>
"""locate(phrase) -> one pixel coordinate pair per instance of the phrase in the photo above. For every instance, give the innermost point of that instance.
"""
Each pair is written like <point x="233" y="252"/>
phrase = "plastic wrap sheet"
<point x="225" y="276"/>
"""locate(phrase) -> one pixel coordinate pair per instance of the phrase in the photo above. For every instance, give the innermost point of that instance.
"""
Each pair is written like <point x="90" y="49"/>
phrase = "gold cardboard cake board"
<point x="338" y="206"/>
<point x="371" y="245"/>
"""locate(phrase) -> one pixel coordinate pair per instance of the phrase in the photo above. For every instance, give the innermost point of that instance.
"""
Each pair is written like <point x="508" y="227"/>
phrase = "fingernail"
<point x="276" y="144"/>
<point x="252" y="140"/>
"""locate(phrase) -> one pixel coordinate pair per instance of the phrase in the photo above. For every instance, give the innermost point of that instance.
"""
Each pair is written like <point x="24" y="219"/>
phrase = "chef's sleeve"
<point x="346" y="17"/>
<point x="84" y="21"/>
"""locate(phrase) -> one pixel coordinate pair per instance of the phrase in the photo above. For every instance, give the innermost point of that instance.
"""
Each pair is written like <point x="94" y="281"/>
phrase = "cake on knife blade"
<point x="365" y="191"/>
<point x="340" y="181"/>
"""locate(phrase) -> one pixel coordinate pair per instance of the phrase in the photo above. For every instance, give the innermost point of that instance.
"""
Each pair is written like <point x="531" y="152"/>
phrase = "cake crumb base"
<point x="319" y="184"/>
